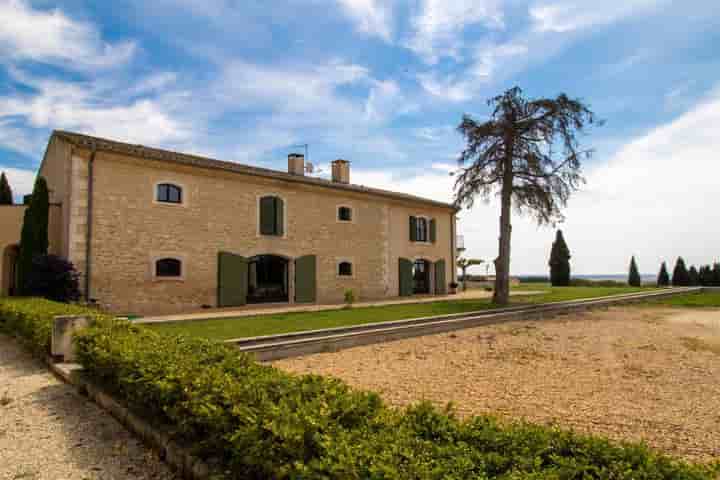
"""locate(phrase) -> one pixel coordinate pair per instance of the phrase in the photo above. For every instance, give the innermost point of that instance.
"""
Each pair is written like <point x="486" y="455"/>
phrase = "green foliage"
<point x="634" y="279"/>
<point x="349" y="297"/>
<point x="663" y="277"/>
<point x="262" y="423"/>
<point x="559" y="262"/>
<point x="693" y="277"/>
<point x="694" y="300"/>
<point x="585" y="282"/>
<point x="34" y="234"/>
<point x="681" y="277"/>
<point x="6" y="195"/>
<point x="30" y="319"/>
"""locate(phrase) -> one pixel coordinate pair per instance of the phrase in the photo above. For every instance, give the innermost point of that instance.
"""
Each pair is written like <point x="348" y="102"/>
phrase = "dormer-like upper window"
<point x="169" y="193"/>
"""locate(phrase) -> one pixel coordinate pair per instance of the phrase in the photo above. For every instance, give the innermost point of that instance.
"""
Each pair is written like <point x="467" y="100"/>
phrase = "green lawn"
<point x="705" y="299"/>
<point x="226" y="328"/>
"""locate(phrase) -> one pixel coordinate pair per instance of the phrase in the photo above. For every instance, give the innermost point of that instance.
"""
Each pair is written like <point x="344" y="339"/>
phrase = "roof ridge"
<point x="160" y="154"/>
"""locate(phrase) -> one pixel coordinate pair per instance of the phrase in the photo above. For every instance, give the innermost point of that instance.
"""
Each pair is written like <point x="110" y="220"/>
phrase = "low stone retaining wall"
<point x="276" y="347"/>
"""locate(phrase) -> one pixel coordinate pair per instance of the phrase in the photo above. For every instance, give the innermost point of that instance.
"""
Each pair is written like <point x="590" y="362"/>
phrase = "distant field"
<point x="239" y="327"/>
<point x="705" y="299"/>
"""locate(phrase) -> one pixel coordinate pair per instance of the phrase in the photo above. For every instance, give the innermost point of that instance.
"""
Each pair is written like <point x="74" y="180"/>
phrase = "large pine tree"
<point x="681" y="277"/>
<point x="559" y="262"/>
<point x="693" y="277"/>
<point x="34" y="233"/>
<point x="663" y="277"/>
<point x="6" y="195"/>
<point x="634" y="279"/>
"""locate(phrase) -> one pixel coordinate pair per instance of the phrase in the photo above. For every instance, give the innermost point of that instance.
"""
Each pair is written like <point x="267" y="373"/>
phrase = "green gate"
<point x="440" y="285"/>
<point x="305" y="279"/>
<point x="232" y="281"/>
<point x="405" y="269"/>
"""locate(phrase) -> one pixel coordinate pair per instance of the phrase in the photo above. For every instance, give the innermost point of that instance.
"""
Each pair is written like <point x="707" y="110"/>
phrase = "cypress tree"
<point x="680" y="276"/>
<point x="716" y="275"/>
<point x="634" y="279"/>
<point x="34" y="233"/>
<point x="663" y="277"/>
<point x="559" y="262"/>
<point x="693" y="277"/>
<point x="6" y="196"/>
<point x="705" y="275"/>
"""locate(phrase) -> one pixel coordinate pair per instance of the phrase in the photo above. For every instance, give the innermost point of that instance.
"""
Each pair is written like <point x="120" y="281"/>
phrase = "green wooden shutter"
<point x="232" y="280"/>
<point x="440" y="284"/>
<point x="405" y="269"/>
<point x="433" y="229"/>
<point x="305" y="279"/>
<point x="413" y="229"/>
<point x="267" y="215"/>
<point x="279" y="217"/>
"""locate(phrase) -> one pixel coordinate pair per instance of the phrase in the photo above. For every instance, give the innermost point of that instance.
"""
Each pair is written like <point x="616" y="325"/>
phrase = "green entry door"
<point x="305" y="279"/>
<point x="405" y="269"/>
<point x="232" y="280"/>
<point x="440" y="285"/>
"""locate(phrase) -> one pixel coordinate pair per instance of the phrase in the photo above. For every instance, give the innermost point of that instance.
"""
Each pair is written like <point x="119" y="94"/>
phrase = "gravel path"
<point x="49" y="432"/>
<point x="628" y="373"/>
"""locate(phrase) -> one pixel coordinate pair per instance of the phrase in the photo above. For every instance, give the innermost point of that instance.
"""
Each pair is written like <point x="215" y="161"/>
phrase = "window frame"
<point x="173" y="183"/>
<point x="167" y="278"/>
<point x="258" y="212"/>
<point x="425" y="230"/>
<point x="341" y="260"/>
<point x="337" y="213"/>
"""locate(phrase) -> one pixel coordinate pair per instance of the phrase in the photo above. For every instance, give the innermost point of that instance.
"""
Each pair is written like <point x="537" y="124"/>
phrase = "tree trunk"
<point x="464" y="270"/>
<point x="501" y="295"/>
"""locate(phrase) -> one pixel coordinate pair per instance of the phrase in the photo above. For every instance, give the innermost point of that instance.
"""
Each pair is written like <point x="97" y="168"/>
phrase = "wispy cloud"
<point x="50" y="36"/>
<point x="372" y="17"/>
<point x="570" y="15"/>
<point x="438" y="25"/>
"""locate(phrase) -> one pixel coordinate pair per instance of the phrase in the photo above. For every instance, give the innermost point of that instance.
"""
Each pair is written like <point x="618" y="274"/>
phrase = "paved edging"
<point x="180" y="459"/>
<point x="276" y="347"/>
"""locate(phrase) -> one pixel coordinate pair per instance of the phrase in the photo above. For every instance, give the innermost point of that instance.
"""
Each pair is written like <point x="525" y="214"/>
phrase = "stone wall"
<point x="220" y="212"/>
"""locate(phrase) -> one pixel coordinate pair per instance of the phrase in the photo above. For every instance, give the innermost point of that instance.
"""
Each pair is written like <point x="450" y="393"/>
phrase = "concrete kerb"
<point x="180" y="459"/>
<point x="275" y="347"/>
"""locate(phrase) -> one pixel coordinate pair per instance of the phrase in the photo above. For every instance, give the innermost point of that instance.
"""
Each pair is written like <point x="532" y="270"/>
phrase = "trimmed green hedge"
<point x="265" y="423"/>
<point x="30" y="319"/>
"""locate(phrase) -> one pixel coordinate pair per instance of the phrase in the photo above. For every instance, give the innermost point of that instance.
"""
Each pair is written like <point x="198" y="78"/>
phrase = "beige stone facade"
<point x="130" y="229"/>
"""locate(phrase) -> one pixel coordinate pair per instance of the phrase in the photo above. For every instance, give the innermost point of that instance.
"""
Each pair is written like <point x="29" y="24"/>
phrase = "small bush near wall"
<point x="265" y="423"/>
<point x="30" y="319"/>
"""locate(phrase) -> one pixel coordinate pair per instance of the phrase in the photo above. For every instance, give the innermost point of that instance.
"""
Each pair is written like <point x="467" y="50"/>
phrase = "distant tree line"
<point x="706" y="275"/>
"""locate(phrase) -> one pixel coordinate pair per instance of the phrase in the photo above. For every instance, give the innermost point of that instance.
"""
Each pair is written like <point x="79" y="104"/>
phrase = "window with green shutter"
<point x="413" y="229"/>
<point x="433" y="230"/>
<point x="272" y="218"/>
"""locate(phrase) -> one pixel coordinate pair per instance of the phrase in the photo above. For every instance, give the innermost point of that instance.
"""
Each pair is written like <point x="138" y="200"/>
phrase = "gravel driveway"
<point x="49" y="432"/>
<point x="628" y="373"/>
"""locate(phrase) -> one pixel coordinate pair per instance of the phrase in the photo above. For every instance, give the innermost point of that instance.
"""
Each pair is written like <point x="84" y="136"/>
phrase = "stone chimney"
<point x="296" y="164"/>
<point x="341" y="171"/>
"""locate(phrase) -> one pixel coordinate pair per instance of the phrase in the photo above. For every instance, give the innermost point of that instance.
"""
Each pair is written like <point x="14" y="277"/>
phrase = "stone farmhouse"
<point x="155" y="231"/>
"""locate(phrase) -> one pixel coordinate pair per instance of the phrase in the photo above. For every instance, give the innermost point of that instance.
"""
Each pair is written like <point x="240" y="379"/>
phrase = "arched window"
<point x="168" y="267"/>
<point x="272" y="216"/>
<point x="345" y="269"/>
<point x="345" y="214"/>
<point x="169" y="193"/>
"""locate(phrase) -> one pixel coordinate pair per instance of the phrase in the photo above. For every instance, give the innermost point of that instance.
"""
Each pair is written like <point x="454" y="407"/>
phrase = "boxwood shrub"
<point x="260" y="422"/>
<point x="30" y="319"/>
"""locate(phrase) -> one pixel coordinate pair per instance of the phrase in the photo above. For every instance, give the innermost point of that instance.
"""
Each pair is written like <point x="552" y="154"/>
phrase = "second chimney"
<point x="296" y="164"/>
<point x="341" y="171"/>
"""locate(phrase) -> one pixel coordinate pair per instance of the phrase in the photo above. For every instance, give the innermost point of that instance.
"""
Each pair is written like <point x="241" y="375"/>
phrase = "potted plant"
<point x="453" y="288"/>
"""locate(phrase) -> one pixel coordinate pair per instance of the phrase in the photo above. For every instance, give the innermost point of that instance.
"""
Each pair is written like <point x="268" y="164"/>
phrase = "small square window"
<point x="345" y="214"/>
<point x="345" y="269"/>
<point x="168" y="267"/>
<point x="169" y="193"/>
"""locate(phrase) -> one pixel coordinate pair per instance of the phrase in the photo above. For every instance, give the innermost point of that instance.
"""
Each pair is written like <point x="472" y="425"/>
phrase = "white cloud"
<point x="438" y="26"/>
<point x="567" y="16"/>
<point x="21" y="180"/>
<point x="93" y="108"/>
<point x="372" y="17"/>
<point x="52" y="37"/>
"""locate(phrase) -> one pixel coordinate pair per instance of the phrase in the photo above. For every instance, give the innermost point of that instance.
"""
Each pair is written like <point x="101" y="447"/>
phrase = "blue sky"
<point x="383" y="84"/>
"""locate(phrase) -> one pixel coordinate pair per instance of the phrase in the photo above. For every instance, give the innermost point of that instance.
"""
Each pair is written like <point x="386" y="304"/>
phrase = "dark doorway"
<point x="421" y="277"/>
<point x="267" y="279"/>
